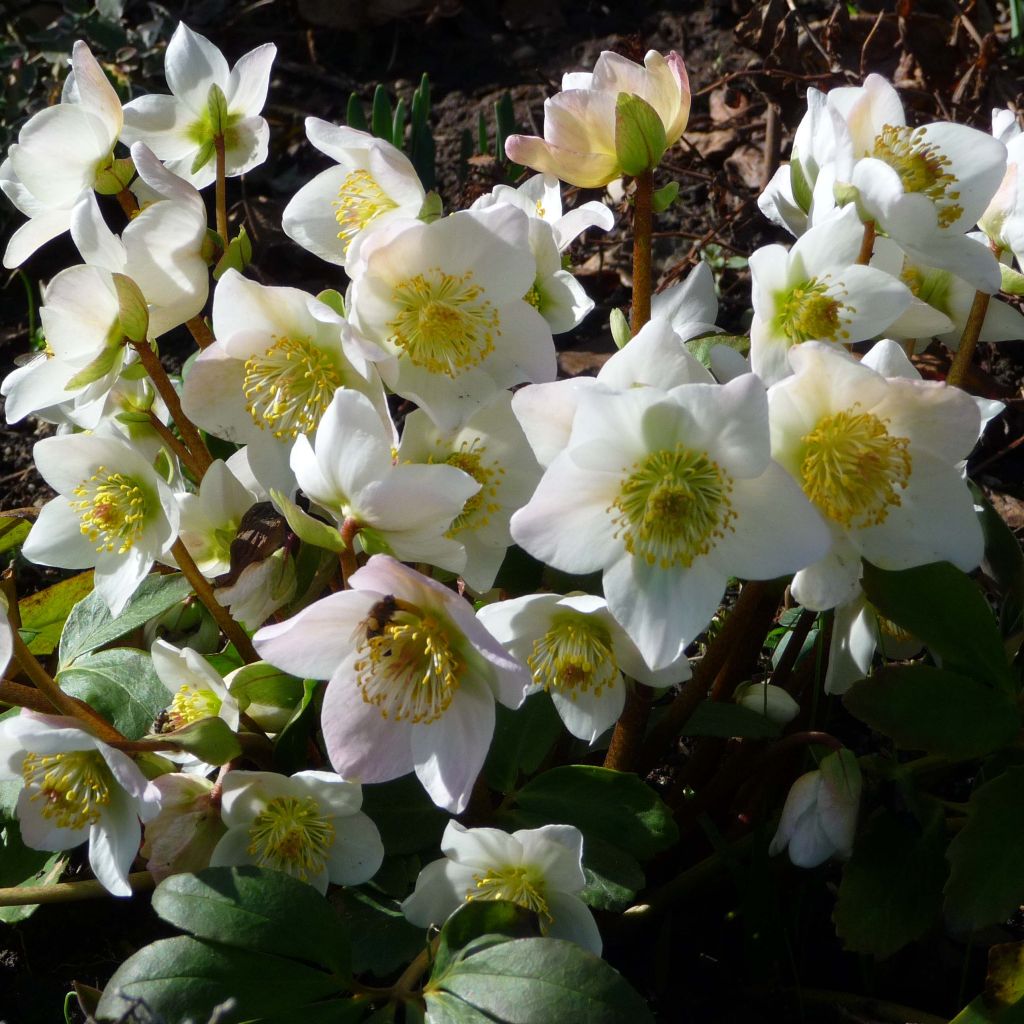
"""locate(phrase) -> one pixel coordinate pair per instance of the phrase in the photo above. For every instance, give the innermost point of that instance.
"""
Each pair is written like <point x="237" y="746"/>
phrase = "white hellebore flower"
<point x="817" y="292"/>
<point x="112" y="511"/>
<point x="279" y="357"/>
<point x="819" y="819"/>
<point x="413" y="678"/>
<point x="1003" y="220"/>
<point x="198" y="689"/>
<point x="373" y="183"/>
<point x="556" y="294"/>
<point x="492" y="449"/>
<point x="878" y="455"/>
<point x="446" y="303"/>
<point x="669" y="494"/>
<point x="538" y="869"/>
<point x="207" y="99"/>
<point x="77" y="789"/>
<point x="578" y="653"/>
<point x="60" y="152"/>
<point x="350" y="471"/>
<point x="309" y="826"/>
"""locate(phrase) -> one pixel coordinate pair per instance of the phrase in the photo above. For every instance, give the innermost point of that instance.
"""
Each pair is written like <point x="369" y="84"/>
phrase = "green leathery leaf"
<point x="44" y="614"/>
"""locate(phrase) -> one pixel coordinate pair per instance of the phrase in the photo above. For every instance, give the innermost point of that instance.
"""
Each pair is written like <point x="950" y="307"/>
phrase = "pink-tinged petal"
<point x="585" y="170"/>
<point x="357" y="852"/>
<point x="363" y="745"/>
<point x="450" y="752"/>
<point x="572" y="920"/>
<point x="113" y="844"/>
<point x="191" y="65"/>
<point x="249" y="80"/>
<point x="335" y="623"/>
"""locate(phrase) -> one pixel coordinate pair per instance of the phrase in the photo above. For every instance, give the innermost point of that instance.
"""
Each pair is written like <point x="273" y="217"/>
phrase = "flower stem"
<point x="968" y="340"/>
<point x="643" y="219"/>
<point x="189" y="434"/>
<point x="68" y="892"/>
<point x="347" y="556"/>
<point x="201" y="585"/>
<point x="58" y="699"/>
<point x="624" y="748"/>
<point x="201" y="334"/>
<point x="21" y="696"/>
<point x="867" y="244"/>
<point x="175" y="446"/>
<point x="222" y="197"/>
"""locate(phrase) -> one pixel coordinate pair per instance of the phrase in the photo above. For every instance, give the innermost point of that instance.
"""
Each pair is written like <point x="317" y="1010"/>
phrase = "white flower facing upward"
<point x="373" y="184"/>
<point x="112" y="511"/>
<point x="197" y="688"/>
<point x="446" y="303"/>
<point x="77" y="789"/>
<point x="669" y="494"/>
<point x="538" y="869"/>
<point x="817" y="292"/>
<point x="351" y="471"/>
<point x="578" y="653"/>
<point x="179" y="128"/>
<point x="413" y="678"/>
<point x="491" y="448"/>
<point x="309" y="826"/>
<point x="60" y="152"/>
<point x="819" y="819"/>
<point x="878" y="455"/>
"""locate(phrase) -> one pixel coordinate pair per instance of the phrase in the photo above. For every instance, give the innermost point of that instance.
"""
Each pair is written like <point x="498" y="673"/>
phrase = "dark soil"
<point x="749" y="943"/>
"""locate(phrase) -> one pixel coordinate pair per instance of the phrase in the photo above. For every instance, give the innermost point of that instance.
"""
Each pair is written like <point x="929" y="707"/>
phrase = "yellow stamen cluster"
<point x="672" y="506"/>
<point x="533" y="297"/>
<point x="922" y="168"/>
<point x="523" y="886"/>
<point x="113" y="509"/>
<point x="289" y="387"/>
<point x="360" y="200"/>
<point x="575" y="655"/>
<point x="479" y="507"/>
<point x="72" y="788"/>
<point x="853" y="469"/>
<point x="809" y="312"/>
<point x="291" y="834"/>
<point x="444" y="324"/>
<point x="191" y="704"/>
<point x="409" y="669"/>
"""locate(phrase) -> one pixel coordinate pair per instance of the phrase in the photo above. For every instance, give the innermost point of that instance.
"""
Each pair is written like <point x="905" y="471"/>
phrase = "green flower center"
<point x="409" y="668"/>
<point x="922" y="168"/>
<point x="289" y="387"/>
<point x="672" y="507"/>
<point x="809" y="312"/>
<point x="112" y="508"/>
<point x="72" y="788"/>
<point x="443" y="324"/>
<point x="360" y="200"/>
<point x="291" y="835"/>
<point x="574" y="655"/>
<point x="853" y="469"/>
<point x="523" y="886"/>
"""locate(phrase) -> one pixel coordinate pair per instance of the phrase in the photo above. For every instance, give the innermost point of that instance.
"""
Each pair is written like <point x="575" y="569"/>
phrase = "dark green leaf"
<point x="613" y="876"/>
<point x="406" y="817"/>
<point x="384" y="938"/>
<point x="209" y="739"/>
<point x="122" y="685"/>
<point x="257" y="909"/>
<point x="521" y="740"/>
<point x="945" y="609"/>
<point x="43" y="614"/>
<point x="13" y="531"/>
<point x="537" y="981"/>
<point x="940" y="712"/>
<point x="716" y="718"/>
<point x="20" y="866"/>
<point x="1003" y="558"/>
<point x="90" y="624"/>
<point x="614" y="806"/>
<point x="475" y="920"/>
<point x="891" y="891"/>
<point x="291" y="749"/>
<point x="986" y="879"/>
<point x="182" y="978"/>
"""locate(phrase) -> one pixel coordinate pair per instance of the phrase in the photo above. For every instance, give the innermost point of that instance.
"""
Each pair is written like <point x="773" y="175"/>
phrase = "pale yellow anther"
<point x="191" y="704"/>
<point x="811" y="312"/>
<point x="479" y="507"/>
<point x="922" y="168"/>
<point x="853" y="469"/>
<point x="72" y="789"/>
<point x="575" y="655"/>
<point x="523" y="886"/>
<point x="289" y="387"/>
<point x="360" y="200"/>
<point x="112" y="508"/>
<point x="672" y="506"/>
<point x="291" y="834"/>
